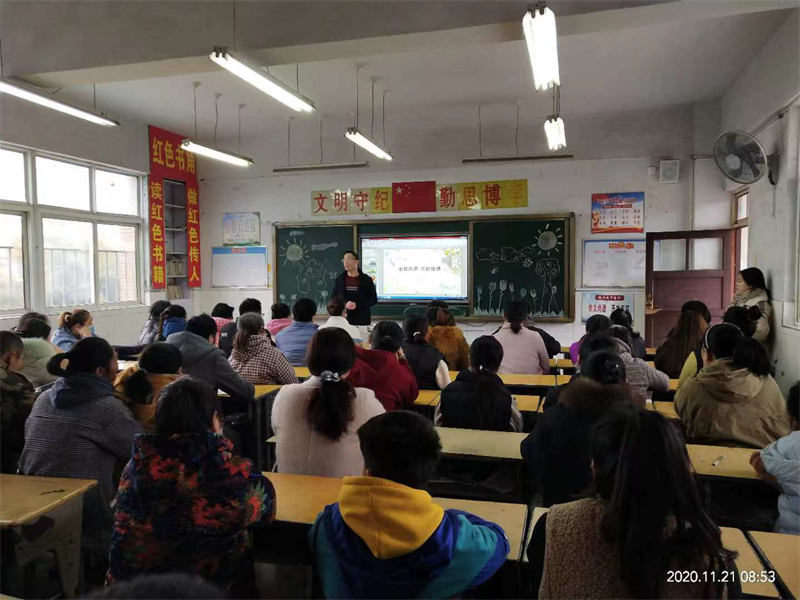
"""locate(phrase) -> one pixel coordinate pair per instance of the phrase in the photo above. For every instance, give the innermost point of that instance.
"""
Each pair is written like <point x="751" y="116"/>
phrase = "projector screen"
<point x="408" y="269"/>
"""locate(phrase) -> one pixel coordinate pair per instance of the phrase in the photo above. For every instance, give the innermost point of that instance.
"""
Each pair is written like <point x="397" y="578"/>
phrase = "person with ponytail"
<point x="733" y="400"/>
<point x="316" y="422"/>
<point x="477" y="399"/>
<point x="72" y="326"/>
<point x="139" y="386"/>
<point x="622" y="316"/>
<point x="644" y="518"/>
<point x="255" y="358"/>
<point x="446" y="337"/>
<point x="556" y="452"/>
<point x="150" y="328"/>
<point x="338" y="318"/>
<point x="641" y="376"/>
<point x="427" y="362"/>
<point x="79" y="429"/>
<point x="172" y="320"/>
<point x="523" y="350"/>
<point x="672" y="354"/>
<point x="751" y="290"/>
<point x="34" y="330"/>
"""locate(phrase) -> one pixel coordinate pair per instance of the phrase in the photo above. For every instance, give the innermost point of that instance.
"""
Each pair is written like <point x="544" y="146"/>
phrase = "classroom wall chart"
<point x="241" y="229"/>
<point x="614" y="263"/>
<point x="618" y="213"/>
<point x="599" y="302"/>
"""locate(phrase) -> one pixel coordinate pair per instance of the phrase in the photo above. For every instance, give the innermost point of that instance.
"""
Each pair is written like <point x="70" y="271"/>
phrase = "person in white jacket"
<point x="780" y="463"/>
<point x="338" y="318"/>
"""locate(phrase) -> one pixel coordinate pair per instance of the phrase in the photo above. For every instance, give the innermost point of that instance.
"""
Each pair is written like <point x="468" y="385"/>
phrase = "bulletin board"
<point x="614" y="263"/>
<point x="239" y="267"/>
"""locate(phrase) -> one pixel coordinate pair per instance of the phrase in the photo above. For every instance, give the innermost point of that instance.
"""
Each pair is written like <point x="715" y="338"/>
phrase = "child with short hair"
<point x="280" y="318"/>
<point x="17" y="397"/>
<point x="386" y="538"/>
<point x="780" y="463"/>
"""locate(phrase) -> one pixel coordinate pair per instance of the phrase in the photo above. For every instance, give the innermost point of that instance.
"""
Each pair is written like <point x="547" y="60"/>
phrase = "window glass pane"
<point x="741" y="207"/>
<point x="62" y="184"/>
<point x="12" y="176"/>
<point x="12" y="270"/>
<point x="68" y="276"/>
<point x="707" y="254"/>
<point x="743" y="237"/>
<point x="116" y="193"/>
<point x="116" y="257"/>
<point x="669" y="255"/>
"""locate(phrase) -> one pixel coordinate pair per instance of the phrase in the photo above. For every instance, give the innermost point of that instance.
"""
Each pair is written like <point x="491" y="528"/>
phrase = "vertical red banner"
<point x="193" y="236"/>
<point x="158" y="256"/>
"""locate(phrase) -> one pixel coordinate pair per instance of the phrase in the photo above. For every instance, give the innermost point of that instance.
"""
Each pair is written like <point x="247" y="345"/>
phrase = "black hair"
<point x="222" y="310"/>
<point x="438" y="314"/>
<point x="745" y="318"/>
<point x="485" y="356"/>
<point x="697" y="306"/>
<point x="178" y="586"/>
<point x="336" y="306"/>
<point x="386" y="335"/>
<point x="597" y="323"/>
<point x="279" y="310"/>
<point x="604" y="366"/>
<point x="686" y="337"/>
<point x="725" y="340"/>
<point x="594" y="343"/>
<point x="10" y="342"/>
<point x="187" y="405"/>
<point x="202" y="325"/>
<point x="515" y="313"/>
<point x="353" y="254"/>
<point x="415" y="328"/>
<point x="645" y="479"/>
<point x="158" y="358"/>
<point x="249" y="305"/>
<point x="330" y="409"/>
<point x="401" y="446"/>
<point x="157" y="307"/>
<point x="248" y="325"/>
<point x="173" y="310"/>
<point x="33" y="325"/>
<point x="304" y="309"/>
<point x="754" y="277"/>
<point x="621" y="333"/>
<point x="793" y="401"/>
<point x="69" y="319"/>
<point x="622" y="316"/>
<point x="85" y="356"/>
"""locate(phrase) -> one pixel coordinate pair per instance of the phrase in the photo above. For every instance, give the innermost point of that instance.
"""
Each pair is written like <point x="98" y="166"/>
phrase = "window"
<point x="12" y="280"/>
<point x="740" y="222"/>
<point x="62" y="184"/>
<point x="117" y="193"/>
<point x="12" y="176"/>
<point x="116" y="263"/>
<point x="67" y="263"/>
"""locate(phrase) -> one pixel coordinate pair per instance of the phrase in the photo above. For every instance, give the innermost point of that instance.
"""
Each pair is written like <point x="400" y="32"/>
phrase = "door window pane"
<point x="741" y="207"/>
<point x="669" y="255"/>
<point x="68" y="276"/>
<point x="116" y="263"/>
<point x="117" y="193"/>
<point x="12" y="269"/>
<point x="743" y="237"/>
<point x="707" y="254"/>
<point x="12" y="176"/>
<point x="62" y="184"/>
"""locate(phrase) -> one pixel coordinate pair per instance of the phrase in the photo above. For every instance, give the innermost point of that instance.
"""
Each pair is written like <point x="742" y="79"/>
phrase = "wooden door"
<point x="682" y="266"/>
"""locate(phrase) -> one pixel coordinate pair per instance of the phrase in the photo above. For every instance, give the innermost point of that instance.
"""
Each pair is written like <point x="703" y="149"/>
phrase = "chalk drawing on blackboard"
<point x="313" y="282"/>
<point x="323" y="247"/>
<point x="511" y="255"/>
<point x="547" y="269"/>
<point x="293" y="253"/>
<point x="488" y="255"/>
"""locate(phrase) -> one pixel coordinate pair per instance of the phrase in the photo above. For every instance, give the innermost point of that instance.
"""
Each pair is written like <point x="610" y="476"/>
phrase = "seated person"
<point x="556" y="453"/>
<point x="384" y="368"/>
<point x="687" y="337"/>
<point x="315" y="422"/>
<point x="138" y="386"/>
<point x="427" y="362"/>
<point x="72" y="326"/>
<point x="477" y="399"/>
<point x="645" y="518"/>
<point x="255" y="358"/>
<point x="200" y="358"/>
<point x="172" y="320"/>
<point x="733" y="400"/>
<point x="446" y="337"/>
<point x="280" y="318"/>
<point x="598" y="341"/>
<point x="594" y="324"/>
<point x="34" y="330"/>
<point x="293" y="341"/>
<point x="222" y="314"/>
<point x="640" y="376"/>
<point x="779" y="463"/>
<point x="338" y="318"/>
<point x="150" y="328"/>
<point x="386" y="538"/>
<point x="79" y="429"/>
<point x="184" y="501"/>
<point x="622" y="316"/>
<point x="523" y="349"/>
<point x="228" y="332"/>
<point x="17" y="397"/>
<point x="552" y="344"/>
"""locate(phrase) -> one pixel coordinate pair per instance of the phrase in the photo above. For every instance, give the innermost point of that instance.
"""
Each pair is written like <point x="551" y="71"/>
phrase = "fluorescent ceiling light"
<point x="258" y="77"/>
<point x="48" y="101"/>
<point x="355" y="136"/>
<point x="223" y="155"/>
<point x="554" y="129"/>
<point x="508" y="159"/>
<point x="539" y="26"/>
<point x="325" y="167"/>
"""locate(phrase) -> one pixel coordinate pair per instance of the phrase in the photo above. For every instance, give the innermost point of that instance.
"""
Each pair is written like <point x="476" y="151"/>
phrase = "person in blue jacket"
<point x="293" y="341"/>
<point x="386" y="538"/>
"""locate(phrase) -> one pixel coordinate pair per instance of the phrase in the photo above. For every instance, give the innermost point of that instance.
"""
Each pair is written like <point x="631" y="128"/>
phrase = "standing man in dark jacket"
<point x="357" y="289"/>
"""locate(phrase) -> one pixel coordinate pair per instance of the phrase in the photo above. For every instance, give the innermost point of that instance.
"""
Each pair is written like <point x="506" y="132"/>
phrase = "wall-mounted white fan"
<point x="740" y="156"/>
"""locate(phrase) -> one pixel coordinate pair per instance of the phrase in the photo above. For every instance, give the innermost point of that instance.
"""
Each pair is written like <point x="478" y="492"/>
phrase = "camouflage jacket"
<point x="16" y="401"/>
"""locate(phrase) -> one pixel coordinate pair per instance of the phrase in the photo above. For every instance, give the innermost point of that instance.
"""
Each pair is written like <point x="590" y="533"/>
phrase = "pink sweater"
<point x="523" y="352"/>
<point x="276" y="325"/>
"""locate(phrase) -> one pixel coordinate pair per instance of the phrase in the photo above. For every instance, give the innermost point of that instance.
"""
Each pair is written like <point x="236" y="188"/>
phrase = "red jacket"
<point x="392" y="381"/>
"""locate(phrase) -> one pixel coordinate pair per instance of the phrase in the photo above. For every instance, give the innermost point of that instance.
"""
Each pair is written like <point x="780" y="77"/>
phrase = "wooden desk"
<point x="650" y="353"/>
<point x="472" y="443"/>
<point x="302" y="372"/>
<point x="553" y="363"/>
<point x="565" y="350"/>
<point x="651" y="363"/>
<point x="734" y="465"/>
<point x="665" y="408"/>
<point x="24" y="498"/>
<point x="562" y="379"/>
<point x="536" y="380"/>
<point x="565" y="363"/>
<point x="428" y="398"/>
<point x="529" y="404"/>
<point x="260" y="390"/>
<point x="783" y="552"/>
<point x="538" y="513"/>
<point x="673" y="385"/>
<point x="733" y="539"/>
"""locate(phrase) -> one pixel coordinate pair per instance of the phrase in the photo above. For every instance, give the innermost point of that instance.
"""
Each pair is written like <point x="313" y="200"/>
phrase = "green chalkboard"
<point x="528" y="259"/>
<point x="308" y="259"/>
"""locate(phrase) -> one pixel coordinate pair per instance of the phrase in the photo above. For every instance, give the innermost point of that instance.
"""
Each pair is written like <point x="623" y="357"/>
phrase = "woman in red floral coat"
<point x="184" y="501"/>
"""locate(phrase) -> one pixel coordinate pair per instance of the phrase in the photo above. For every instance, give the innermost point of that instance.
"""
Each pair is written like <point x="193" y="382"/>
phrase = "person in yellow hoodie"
<point x="386" y="538"/>
<point x="139" y="386"/>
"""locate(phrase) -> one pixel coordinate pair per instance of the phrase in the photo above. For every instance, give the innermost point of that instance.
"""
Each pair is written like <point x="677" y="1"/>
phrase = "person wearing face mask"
<point x="73" y="326"/>
<point x="357" y="289"/>
<point x="751" y="290"/>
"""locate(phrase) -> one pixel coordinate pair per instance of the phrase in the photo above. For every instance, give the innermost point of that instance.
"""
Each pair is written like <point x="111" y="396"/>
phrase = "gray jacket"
<point x="641" y="376"/>
<point x="782" y="461"/>
<point x="207" y="362"/>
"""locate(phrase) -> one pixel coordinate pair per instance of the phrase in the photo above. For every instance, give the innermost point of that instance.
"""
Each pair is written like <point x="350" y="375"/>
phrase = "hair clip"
<point x="329" y="376"/>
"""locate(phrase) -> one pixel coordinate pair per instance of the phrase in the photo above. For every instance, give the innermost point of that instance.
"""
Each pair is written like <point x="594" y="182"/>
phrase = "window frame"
<point x="738" y="224"/>
<point x="25" y="257"/>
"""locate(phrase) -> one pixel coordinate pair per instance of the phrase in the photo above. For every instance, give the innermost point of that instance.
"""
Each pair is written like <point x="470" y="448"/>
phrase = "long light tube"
<point x="355" y="136"/>
<point x="48" y="101"/>
<point x="539" y="26"/>
<point x="256" y="76"/>
<point x="554" y="129"/>
<point x="228" y="157"/>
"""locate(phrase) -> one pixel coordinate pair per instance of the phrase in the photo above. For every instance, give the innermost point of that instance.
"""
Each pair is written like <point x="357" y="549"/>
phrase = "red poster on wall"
<point x="169" y="161"/>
